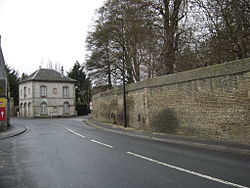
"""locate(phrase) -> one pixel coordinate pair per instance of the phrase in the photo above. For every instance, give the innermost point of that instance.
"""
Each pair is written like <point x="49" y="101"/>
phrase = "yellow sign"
<point x="2" y="102"/>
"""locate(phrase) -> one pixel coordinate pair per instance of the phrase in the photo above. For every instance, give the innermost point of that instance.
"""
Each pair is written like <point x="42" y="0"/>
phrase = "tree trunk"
<point x="242" y="53"/>
<point x="171" y="19"/>
<point x="137" y="75"/>
<point x="109" y="69"/>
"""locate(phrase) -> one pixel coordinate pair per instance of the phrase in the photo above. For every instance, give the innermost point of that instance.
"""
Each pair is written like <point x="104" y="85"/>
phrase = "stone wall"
<point x="211" y="102"/>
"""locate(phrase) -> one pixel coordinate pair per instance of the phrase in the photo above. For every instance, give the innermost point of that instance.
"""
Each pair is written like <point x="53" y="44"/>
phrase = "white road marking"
<point x="102" y="143"/>
<point x="76" y="133"/>
<point x="187" y="171"/>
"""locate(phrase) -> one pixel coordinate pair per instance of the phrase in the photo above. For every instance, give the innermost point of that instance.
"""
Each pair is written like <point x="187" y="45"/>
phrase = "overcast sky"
<point x="36" y="31"/>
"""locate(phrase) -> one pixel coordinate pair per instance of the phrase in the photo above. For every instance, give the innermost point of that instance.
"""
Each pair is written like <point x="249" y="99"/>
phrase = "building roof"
<point x="47" y="75"/>
<point x="2" y="67"/>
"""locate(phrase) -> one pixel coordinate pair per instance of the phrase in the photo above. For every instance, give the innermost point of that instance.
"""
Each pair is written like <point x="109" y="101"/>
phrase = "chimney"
<point x="62" y="72"/>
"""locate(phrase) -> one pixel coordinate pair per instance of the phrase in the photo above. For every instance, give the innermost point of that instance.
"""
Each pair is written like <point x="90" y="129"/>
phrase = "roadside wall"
<point x="211" y="102"/>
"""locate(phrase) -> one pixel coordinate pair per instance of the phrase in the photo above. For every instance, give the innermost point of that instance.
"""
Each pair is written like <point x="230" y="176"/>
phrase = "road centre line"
<point x="91" y="140"/>
<point x="187" y="171"/>
<point x="102" y="143"/>
<point x="76" y="133"/>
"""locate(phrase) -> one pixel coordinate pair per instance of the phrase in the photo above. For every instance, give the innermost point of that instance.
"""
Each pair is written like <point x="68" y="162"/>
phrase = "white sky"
<point x="36" y="30"/>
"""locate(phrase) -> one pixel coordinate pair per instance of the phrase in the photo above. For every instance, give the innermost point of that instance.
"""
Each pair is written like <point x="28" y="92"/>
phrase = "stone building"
<point x="4" y="99"/>
<point x="47" y="93"/>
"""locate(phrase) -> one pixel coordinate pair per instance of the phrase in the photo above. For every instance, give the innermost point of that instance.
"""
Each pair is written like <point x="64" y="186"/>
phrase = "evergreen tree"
<point x="23" y="76"/>
<point x="13" y="79"/>
<point x="83" y="84"/>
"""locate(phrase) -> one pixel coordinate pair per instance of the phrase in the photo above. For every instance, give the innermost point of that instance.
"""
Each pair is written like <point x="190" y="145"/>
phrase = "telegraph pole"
<point x="125" y="123"/>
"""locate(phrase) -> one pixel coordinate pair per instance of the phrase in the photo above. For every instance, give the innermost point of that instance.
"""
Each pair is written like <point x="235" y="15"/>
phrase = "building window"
<point x="25" y="92"/>
<point x="65" y="91"/>
<point x="43" y="91"/>
<point x="54" y="91"/>
<point x="29" y="91"/>
<point x="44" y="109"/>
<point x="66" y="108"/>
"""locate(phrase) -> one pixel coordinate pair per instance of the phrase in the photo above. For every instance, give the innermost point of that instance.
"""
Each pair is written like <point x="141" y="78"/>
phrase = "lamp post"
<point x="125" y="123"/>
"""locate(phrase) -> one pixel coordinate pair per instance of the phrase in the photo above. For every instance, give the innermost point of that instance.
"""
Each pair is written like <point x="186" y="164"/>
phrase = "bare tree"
<point x="172" y="12"/>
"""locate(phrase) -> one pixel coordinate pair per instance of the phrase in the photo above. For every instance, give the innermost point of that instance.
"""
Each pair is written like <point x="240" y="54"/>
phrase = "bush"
<point x="166" y="121"/>
<point x="82" y="109"/>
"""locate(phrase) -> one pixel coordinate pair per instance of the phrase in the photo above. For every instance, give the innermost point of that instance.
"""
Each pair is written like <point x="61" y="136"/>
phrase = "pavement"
<point x="224" y="146"/>
<point x="13" y="130"/>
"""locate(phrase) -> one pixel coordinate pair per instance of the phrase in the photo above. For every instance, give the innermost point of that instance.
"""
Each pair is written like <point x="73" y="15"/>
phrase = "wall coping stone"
<point x="229" y="68"/>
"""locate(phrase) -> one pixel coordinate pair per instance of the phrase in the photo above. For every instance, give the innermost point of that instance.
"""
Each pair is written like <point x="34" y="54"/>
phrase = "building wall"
<point x="4" y="93"/>
<point x="211" y="102"/>
<point x="53" y="100"/>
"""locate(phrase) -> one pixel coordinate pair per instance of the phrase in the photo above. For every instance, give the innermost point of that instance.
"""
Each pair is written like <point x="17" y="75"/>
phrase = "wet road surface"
<point x="60" y="153"/>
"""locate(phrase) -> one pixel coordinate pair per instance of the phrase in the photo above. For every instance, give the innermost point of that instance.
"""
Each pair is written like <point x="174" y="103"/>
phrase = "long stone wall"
<point x="211" y="102"/>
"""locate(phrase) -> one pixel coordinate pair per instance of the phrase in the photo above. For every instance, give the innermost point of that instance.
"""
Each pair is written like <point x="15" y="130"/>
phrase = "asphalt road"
<point x="58" y="153"/>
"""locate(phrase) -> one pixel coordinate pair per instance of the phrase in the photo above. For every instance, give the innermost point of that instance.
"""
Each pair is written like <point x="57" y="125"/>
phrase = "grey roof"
<point x="2" y="67"/>
<point x="47" y="75"/>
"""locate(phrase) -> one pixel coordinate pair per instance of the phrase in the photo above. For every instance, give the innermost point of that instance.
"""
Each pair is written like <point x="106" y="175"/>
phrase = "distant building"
<point x="47" y="93"/>
<point x="4" y="94"/>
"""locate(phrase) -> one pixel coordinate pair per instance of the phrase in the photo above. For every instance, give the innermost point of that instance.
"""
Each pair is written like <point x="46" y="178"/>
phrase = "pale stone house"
<point x="47" y="93"/>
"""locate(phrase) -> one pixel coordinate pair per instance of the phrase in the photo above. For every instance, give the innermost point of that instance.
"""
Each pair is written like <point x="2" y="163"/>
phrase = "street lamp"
<point x="125" y="123"/>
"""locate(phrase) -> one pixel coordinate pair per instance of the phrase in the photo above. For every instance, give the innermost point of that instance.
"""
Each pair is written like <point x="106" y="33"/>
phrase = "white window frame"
<point x="43" y="91"/>
<point x="65" y="91"/>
